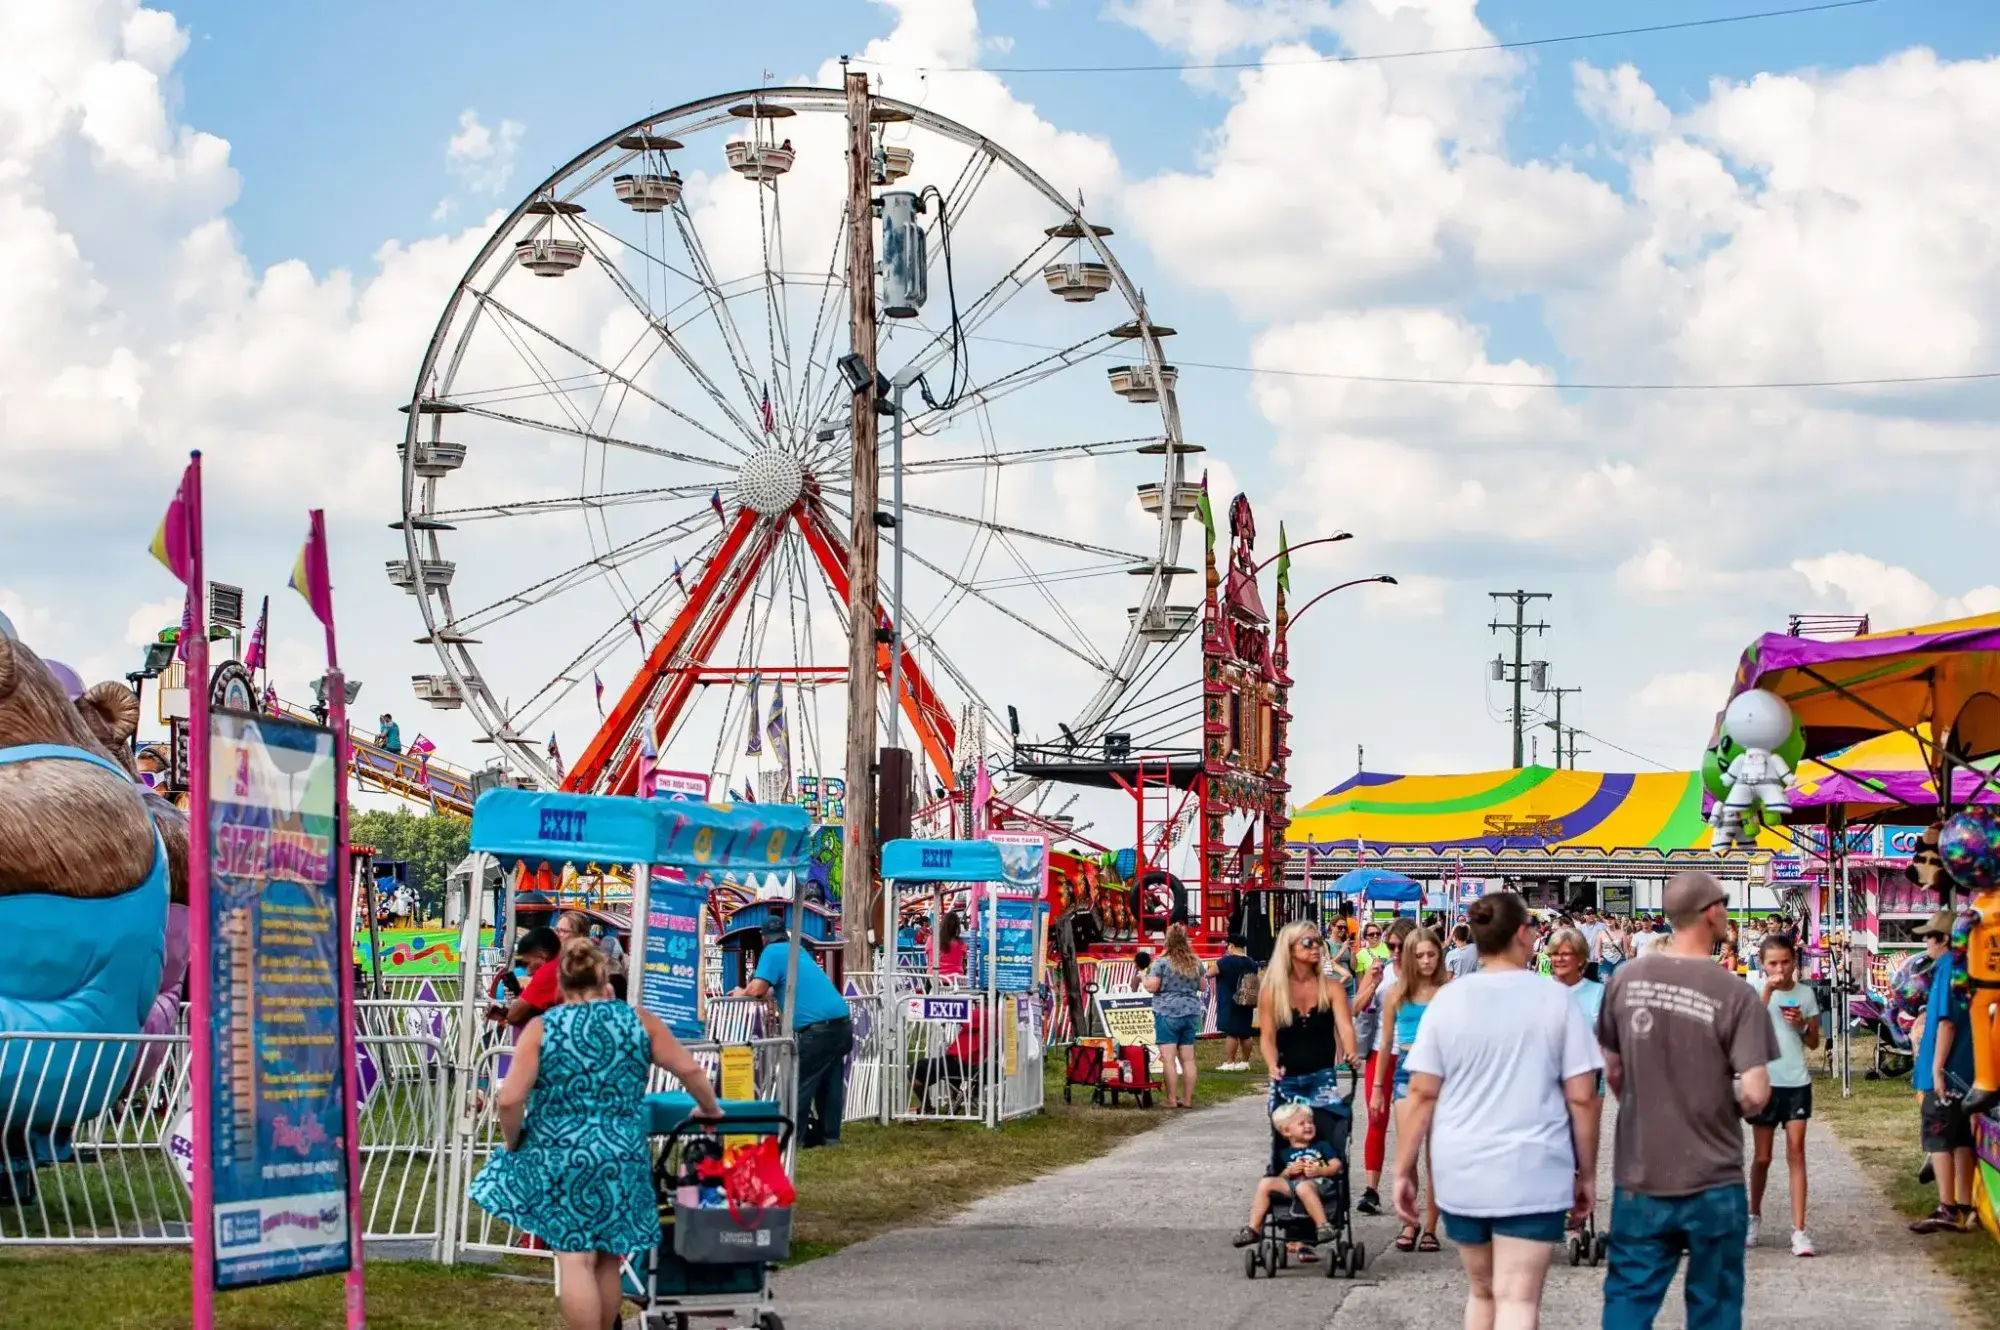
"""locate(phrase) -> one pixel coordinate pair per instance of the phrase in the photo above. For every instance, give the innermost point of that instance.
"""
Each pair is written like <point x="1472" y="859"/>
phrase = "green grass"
<point x="1879" y="1128"/>
<point x="880" y="1179"/>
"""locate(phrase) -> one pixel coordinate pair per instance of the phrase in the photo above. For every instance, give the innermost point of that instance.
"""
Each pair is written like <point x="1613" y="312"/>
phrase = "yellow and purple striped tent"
<point x="1534" y="808"/>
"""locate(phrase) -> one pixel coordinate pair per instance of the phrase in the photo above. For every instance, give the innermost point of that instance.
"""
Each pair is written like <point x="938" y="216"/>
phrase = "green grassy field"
<point x="845" y="1196"/>
<point x="1879" y="1128"/>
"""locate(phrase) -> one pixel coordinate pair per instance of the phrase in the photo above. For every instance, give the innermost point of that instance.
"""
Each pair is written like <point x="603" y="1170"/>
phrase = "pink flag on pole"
<point x="982" y="796"/>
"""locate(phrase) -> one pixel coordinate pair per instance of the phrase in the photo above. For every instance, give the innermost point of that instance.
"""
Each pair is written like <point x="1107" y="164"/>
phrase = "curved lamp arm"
<point x="1323" y="540"/>
<point x="1383" y="578"/>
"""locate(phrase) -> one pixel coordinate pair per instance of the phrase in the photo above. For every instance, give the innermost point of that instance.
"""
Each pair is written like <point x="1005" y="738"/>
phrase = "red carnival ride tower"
<point x="1219" y="777"/>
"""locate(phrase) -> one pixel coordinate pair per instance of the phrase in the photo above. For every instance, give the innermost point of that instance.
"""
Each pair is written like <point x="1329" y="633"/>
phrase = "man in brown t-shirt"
<point x="1686" y="1048"/>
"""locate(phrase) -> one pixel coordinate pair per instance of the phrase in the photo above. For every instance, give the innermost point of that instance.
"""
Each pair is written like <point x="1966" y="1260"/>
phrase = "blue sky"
<point x="1799" y="197"/>
<point x="335" y="115"/>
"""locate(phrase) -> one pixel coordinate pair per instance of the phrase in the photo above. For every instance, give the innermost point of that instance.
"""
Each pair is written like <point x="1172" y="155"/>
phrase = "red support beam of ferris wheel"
<point x="928" y="715"/>
<point x="592" y="769"/>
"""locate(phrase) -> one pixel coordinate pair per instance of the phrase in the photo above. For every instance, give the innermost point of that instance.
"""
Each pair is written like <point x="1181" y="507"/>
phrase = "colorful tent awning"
<point x="1849" y="690"/>
<point x="1880" y="773"/>
<point x="1529" y="809"/>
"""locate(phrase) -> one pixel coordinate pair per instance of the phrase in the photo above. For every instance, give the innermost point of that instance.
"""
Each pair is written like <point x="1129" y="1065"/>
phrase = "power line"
<point x="1879" y="381"/>
<point x="1520" y="45"/>
<point x="1651" y="761"/>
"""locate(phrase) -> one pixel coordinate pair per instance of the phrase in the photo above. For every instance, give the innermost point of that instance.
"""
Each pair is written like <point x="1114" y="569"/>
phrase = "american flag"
<point x="756" y="744"/>
<point x="598" y="684"/>
<point x="677" y="578"/>
<point x="770" y="417"/>
<point x="633" y="619"/>
<point x="715" y="502"/>
<point x="555" y="755"/>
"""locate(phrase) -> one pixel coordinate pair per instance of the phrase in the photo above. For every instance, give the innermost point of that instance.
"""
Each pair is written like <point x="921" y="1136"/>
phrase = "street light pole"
<point x="1306" y="545"/>
<point x="1383" y="578"/>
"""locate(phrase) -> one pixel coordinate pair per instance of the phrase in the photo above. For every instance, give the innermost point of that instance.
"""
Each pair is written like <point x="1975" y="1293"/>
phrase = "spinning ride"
<point x="627" y="457"/>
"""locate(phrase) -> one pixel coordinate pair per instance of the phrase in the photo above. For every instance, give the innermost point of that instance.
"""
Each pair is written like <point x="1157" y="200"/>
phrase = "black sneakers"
<point x="1371" y="1203"/>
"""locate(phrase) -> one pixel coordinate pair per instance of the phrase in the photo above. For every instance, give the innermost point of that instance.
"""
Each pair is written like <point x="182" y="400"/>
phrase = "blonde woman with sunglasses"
<point x="1304" y="1026"/>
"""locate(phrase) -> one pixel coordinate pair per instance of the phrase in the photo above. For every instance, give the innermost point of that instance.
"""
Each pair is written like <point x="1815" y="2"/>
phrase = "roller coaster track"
<point x="439" y="786"/>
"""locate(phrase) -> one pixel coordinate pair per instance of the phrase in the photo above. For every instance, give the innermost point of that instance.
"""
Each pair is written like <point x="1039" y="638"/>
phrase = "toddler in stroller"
<point x="1302" y="1203"/>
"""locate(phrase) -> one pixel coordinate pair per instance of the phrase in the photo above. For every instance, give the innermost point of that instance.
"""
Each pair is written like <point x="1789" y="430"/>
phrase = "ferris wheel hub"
<point x="770" y="481"/>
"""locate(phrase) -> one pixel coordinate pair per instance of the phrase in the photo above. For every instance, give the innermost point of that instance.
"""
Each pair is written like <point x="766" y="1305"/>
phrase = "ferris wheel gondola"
<point x="627" y="453"/>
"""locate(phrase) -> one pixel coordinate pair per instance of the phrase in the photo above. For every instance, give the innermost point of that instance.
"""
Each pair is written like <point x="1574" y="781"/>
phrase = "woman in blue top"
<point x="1421" y="975"/>
<point x="576" y="1172"/>
<point x="1176" y="982"/>
<point x="1569" y="954"/>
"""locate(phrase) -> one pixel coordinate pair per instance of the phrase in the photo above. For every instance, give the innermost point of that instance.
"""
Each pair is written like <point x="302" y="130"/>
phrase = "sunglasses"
<point x="1372" y="933"/>
<point x="1312" y="942"/>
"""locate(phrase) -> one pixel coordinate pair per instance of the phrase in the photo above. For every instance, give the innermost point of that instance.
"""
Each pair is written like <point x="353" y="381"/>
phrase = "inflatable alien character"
<point x="1969" y="845"/>
<point x="1757" y="780"/>
<point x="83" y="886"/>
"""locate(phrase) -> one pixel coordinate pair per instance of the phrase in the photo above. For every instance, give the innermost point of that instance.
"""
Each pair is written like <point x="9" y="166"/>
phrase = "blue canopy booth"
<point x="1378" y="884"/>
<point x="989" y="1071"/>
<point x="675" y="849"/>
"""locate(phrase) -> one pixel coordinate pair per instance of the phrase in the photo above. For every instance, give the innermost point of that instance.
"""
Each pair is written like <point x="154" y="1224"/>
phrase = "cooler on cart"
<point x="716" y="1252"/>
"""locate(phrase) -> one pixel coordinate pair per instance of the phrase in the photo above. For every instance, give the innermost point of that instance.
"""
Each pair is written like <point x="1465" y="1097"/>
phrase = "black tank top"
<point x="1308" y="1043"/>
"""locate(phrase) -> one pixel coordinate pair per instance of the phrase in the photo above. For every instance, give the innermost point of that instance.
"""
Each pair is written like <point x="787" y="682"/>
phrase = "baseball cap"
<point x="1939" y="924"/>
<point x="1689" y="893"/>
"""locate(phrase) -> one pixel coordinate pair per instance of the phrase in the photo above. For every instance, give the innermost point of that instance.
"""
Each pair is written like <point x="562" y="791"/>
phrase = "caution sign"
<point x="1127" y="1017"/>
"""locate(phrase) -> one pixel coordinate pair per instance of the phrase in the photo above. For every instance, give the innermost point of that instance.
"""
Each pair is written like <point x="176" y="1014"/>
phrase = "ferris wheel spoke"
<point x="718" y="304"/>
<point x="549" y="587"/>
<point x="509" y="315"/>
<point x="979" y="397"/>
<point x="658" y="324"/>
<point x="777" y="330"/>
<point x="595" y="653"/>
<point x="597" y="437"/>
<point x="976" y="594"/>
<point x="1054" y="603"/>
<point x="1127" y="558"/>
<point x="981" y="311"/>
<point x="831" y="286"/>
<point x="1029" y="456"/>
<point x="576" y="503"/>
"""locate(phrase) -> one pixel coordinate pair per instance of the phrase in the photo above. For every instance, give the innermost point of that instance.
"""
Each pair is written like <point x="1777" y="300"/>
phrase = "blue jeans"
<point x="1648" y="1236"/>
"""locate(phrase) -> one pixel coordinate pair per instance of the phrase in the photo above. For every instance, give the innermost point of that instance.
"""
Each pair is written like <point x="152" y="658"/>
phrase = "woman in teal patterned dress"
<point x="576" y="1172"/>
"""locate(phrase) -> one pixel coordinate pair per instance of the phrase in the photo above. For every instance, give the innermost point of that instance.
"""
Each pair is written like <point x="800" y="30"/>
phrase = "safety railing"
<point x="97" y="1142"/>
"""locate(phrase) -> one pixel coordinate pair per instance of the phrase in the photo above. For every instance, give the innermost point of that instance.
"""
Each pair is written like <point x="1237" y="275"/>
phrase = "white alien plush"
<point x="1759" y="722"/>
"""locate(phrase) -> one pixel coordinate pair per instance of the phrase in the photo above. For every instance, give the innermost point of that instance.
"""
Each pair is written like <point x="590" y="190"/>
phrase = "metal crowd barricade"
<point x="864" y="1065"/>
<point x="94" y="1176"/>
<point x="479" y="1137"/>
<point x="110" y="1177"/>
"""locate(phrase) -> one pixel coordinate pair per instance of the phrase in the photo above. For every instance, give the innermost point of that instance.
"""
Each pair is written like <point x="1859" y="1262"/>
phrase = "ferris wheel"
<point x="625" y="470"/>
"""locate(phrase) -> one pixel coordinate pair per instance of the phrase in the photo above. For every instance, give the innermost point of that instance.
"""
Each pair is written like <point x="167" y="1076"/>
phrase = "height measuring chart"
<point x="278" y="1154"/>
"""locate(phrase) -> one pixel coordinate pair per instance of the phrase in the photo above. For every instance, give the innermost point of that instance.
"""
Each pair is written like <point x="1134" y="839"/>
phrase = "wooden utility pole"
<point x="857" y="899"/>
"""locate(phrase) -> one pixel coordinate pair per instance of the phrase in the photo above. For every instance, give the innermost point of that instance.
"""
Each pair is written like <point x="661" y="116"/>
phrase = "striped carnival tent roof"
<point x="1530" y="809"/>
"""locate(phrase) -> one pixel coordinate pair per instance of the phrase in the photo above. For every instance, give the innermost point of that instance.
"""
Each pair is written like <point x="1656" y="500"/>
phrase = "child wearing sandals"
<point x="1307" y="1161"/>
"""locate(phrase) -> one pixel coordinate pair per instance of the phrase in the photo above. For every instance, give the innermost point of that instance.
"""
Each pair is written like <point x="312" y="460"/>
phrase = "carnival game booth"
<point x="1563" y="839"/>
<point x="972" y="1051"/>
<point x="1938" y="685"/>
<point x="677" y="852"/>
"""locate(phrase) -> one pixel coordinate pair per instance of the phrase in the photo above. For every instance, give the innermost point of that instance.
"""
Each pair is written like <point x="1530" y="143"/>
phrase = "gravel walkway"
<point x="1140" y="1236"/>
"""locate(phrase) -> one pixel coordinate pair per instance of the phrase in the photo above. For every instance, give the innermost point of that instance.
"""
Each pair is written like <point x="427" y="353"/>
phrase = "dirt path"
<point x="1140" y="1236"/>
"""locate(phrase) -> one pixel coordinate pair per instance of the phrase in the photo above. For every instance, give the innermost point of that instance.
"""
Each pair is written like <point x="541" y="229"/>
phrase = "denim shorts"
<point x="1175" y="1029"/>
<point x="1479" y="1230"/>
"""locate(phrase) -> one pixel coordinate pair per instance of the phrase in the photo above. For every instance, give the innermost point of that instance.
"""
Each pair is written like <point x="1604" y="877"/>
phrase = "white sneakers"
<point x="1232" y="1066"/>
<point x="1802" y="1243"/>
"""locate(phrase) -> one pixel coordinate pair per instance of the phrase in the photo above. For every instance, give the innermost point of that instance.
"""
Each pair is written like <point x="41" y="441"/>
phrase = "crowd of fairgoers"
<point x="1498" y="1037"/>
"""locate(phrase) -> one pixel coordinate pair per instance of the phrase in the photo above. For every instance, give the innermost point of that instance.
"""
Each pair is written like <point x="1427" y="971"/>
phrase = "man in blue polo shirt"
<point x="825" y="1035"/>
<point x="1944" y="1073"/>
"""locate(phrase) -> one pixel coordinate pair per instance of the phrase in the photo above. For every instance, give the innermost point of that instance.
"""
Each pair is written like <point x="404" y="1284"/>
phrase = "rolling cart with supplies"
<point x="725" y="1215"/>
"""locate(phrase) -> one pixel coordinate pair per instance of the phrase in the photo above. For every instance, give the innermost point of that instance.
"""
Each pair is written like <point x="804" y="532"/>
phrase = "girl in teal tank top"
<point x="1423" y="974"/>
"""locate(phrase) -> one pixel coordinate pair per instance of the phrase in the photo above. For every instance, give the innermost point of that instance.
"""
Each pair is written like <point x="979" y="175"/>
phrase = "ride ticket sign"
<point x="276" y="944"/>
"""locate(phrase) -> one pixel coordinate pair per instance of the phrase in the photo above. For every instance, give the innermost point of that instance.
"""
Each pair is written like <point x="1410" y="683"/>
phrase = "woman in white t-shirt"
<point x="1503" y="1083"/>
